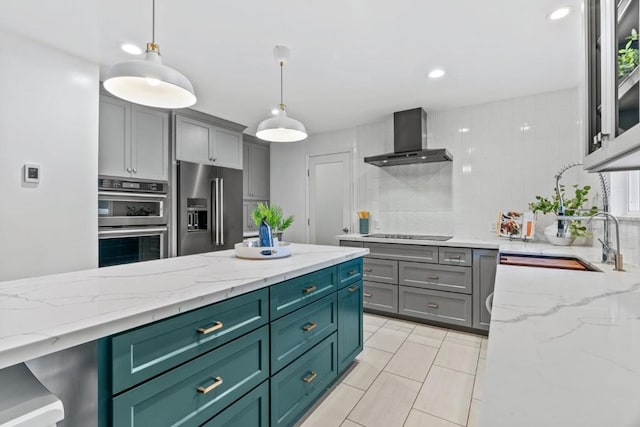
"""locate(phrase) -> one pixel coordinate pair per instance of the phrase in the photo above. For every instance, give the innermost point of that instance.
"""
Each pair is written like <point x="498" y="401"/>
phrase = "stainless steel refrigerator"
<point x="209" y="208"/>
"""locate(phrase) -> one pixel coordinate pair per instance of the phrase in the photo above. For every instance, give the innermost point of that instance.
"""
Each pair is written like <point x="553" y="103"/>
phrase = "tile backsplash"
<point x="504" y="153"/>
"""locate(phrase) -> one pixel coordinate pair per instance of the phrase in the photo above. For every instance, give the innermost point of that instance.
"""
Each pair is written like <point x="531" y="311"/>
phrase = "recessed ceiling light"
<point x="559" y="13"/>
<point x="131" y="49"/>
<point x="436" y="73"/>
<point x="464" y="130"/>
<point x="525" y="127"/>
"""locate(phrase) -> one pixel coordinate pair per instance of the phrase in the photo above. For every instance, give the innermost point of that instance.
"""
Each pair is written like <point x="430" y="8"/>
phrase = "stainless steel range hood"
<point x="409" y="138"/>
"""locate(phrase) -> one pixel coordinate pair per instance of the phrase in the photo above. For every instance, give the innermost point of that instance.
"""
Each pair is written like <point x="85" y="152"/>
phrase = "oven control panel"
<point x="115" y="184"/>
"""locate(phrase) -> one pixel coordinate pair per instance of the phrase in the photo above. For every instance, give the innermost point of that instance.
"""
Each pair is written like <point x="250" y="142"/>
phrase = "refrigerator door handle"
<point x="221" y="200"/>
<point x="216" y="182"/>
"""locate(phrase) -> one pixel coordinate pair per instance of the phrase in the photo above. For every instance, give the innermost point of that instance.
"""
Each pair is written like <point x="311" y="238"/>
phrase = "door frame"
<point x="350" y="200"/>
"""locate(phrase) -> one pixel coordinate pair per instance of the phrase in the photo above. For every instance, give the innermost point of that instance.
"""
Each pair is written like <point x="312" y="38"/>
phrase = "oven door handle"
<point x="129" y="195"/>
<point x="128" y="230"/>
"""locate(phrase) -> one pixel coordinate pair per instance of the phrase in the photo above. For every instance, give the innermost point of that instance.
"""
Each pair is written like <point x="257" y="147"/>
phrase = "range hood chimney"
<point x="410" y="142"/>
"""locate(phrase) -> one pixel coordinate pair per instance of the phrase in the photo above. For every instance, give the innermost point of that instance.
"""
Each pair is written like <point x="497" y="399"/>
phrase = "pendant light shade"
<point x="149" y="82"/>
<point x="281" y="128"/>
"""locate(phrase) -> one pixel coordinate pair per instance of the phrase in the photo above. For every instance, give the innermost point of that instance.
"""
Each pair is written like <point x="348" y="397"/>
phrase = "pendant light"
<point x="148" y="82"/>
<point x="281" y="128"/>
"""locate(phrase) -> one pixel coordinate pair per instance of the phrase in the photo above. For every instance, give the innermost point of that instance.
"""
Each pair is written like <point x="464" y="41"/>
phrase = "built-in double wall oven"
<point x="132" y="220"/>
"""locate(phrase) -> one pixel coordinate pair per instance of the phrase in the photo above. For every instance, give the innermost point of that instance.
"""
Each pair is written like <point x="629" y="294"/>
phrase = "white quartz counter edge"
<point x="46" y="314"/>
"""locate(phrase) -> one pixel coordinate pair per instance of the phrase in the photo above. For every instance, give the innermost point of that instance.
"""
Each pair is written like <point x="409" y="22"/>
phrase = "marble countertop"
<point x="564" y="346"/>
<point x="46" y="314"/>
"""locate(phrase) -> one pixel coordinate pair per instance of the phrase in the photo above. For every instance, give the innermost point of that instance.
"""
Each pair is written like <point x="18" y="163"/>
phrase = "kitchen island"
<point x="52" y="313"/>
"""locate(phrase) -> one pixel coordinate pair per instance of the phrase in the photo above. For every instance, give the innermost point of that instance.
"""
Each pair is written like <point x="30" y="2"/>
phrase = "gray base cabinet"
<point x="445" y="307"/>
<point x="485" y="264"/>
<point x="443" y="284"/>
<point x="259" y="359"/>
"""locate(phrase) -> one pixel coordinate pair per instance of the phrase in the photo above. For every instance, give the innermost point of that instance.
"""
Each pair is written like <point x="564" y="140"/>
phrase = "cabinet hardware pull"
<point x="353" y="288"/>
<point x="205" y="390"/>
<point x="215" y="327"/>
<point x="310" y="378"/>
<point x="432" y="305"/>
<point x="432" y="277"/>
<point x="135" y="170"/>
<point x="366" y="295"/>
<point x="213" y="159"/>
<point x="310" y="327"/>
<point x="129" y="170"/>
<point x="309" y="289"/>
<point x="367" y="270"/>
<point x="351" y="272"/>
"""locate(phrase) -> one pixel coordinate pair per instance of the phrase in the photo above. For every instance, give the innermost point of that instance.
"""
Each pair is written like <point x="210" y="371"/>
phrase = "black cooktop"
<point x="409" y="236"/>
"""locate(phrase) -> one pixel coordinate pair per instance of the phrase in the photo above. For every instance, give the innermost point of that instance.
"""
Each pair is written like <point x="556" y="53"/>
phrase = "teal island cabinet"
<point x="259" y="359"/>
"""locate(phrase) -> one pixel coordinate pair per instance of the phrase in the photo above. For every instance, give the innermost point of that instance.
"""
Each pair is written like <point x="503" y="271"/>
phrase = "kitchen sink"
<point x="562" y="262"/>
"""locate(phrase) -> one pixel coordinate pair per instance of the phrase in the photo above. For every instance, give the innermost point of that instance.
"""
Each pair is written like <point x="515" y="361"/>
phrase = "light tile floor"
<point x="408" y="375"/>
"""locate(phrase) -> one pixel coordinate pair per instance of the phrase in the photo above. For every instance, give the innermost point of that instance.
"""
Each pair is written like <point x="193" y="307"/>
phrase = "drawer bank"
<point x="258" y="359"/>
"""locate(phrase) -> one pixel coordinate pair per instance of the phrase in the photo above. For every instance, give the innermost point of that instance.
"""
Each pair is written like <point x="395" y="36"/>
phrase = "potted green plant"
<point x="628" y="56"/>
<point x="573" y="206"/>
<point x="274" y="218"/>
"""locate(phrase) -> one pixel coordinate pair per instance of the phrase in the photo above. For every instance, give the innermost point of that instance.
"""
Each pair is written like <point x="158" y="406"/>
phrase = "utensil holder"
<point x="364" y="225"/>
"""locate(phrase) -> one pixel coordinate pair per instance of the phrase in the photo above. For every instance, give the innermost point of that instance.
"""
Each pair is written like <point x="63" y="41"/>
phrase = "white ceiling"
<point x="352" y="61"/>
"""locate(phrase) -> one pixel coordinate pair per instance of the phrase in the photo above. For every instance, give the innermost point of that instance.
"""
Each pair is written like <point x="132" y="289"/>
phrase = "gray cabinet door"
<point x="428" y="254"/>
<point x="192" y="140"/>
<point x="245" y="217"/>
<point x="485" y="264"/>
<point x="226" y="148"/>
<point x="380" y="270"/>
<point x="439" y="277"/>
<point x="245" y="171"/>
<point x="350" y="244"/>
<point x="114" y="152"/>
<point x="446" y="307"/>
<point x="259" y="171"/>
<point x="150" y="144"/>
<point x="380" y="296"/>
<point x="256" y="169"/>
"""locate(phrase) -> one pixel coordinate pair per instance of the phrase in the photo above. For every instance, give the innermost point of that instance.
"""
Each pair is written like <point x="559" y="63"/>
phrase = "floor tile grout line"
<point x="376" y="379"/>
<point x="475" y="379"/>
<point x="438" y="417"/>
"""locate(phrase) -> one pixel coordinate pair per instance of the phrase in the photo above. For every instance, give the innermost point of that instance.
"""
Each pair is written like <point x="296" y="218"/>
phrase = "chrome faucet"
<point x="563" y="226"/>
<point x="617" y="256"/>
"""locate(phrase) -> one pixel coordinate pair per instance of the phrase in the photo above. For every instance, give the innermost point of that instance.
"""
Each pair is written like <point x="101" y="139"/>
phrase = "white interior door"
<point x="329" y="195"/>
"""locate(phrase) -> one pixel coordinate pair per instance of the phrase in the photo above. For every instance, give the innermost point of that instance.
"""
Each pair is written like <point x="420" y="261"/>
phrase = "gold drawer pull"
<point x="310" y="378"/>
<point x="310" y="327"/>
<point x="353" y="288"/>
<point x="367" y="270"/>
<point x="432" y="305"/>
<point x="432" y="277"/>
<point x="215" y="327"/>
<point x="366" y="295"/>
<point x="309" y="289"/>
<point x="205" y="390"/>
<point x="351" y="272"/>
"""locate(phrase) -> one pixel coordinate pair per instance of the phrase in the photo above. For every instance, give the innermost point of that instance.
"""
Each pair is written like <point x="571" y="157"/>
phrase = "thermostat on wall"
<point x="31" y="173"/>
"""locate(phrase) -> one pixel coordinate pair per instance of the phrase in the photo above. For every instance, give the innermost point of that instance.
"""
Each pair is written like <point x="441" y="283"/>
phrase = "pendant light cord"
<point x="281" y="85"/>
<point x="153" y="22"/>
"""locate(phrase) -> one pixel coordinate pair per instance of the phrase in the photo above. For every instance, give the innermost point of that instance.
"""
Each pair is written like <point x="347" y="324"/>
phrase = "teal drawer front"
<point x="349" y="324"/>
<point x="250" y="411"/>
<point x="295" y="293"/>
<point x="150" y="350"/>
<point x="349" y="272"/>
<point x="297" y="332"/>
<point x="188" y="395"/>
<point x="295" y="387"/>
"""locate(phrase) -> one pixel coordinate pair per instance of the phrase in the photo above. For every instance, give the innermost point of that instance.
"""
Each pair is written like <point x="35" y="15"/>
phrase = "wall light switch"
<point x="31" y="173"/>
<point x="377" y="224"/>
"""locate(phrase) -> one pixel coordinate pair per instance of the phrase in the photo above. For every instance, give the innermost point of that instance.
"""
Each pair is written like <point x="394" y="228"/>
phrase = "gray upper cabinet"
<point x="256" y="169"/>
<point x="134" y="140"/>
<point x="205" y="139"/>
<point x="485" y="264"/>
